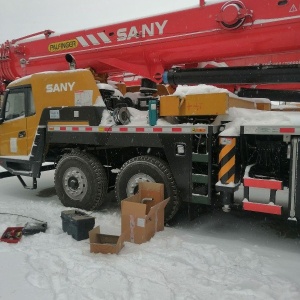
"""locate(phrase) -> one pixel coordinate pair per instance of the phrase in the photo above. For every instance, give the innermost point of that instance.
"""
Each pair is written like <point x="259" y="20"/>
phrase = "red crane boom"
<point x="231" y="33"/>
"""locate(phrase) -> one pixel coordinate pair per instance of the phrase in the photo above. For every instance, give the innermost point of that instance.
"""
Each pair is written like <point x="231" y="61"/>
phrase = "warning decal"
<point x="293" y="9"/>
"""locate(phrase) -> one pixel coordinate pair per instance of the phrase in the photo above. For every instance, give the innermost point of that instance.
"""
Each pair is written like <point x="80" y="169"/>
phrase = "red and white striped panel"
<point x="271" y="130"/>
<point x="131" y="129"/>
<point x="91" y="39"/>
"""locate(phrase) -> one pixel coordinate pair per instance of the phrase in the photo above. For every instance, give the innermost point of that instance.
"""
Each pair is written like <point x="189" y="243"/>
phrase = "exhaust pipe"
<point x="71" y="61"/>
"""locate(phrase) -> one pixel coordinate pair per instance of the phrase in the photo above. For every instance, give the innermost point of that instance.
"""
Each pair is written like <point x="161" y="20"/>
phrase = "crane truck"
<point x="86" y="130"/>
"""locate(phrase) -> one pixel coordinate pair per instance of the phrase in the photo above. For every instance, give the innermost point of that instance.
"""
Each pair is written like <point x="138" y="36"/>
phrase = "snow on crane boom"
<point x="228" y="33"/>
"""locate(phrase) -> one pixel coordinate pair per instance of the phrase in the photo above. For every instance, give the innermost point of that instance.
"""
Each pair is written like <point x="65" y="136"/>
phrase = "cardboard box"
<point x="142" y="214"/>
<point x="104" y="243"/>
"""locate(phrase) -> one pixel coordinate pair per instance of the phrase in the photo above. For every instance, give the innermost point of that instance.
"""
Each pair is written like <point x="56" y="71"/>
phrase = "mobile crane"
<point x="61" y="117"/>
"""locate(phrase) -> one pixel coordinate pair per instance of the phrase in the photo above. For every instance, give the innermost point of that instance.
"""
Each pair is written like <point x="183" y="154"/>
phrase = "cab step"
<point x="269" y="208"/>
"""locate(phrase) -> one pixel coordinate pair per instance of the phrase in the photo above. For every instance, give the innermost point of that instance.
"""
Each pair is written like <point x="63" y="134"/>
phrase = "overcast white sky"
<point x="19" y="18"/>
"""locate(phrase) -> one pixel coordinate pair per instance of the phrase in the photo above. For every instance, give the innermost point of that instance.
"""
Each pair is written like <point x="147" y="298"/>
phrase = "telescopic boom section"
<point x="223" y="34"/>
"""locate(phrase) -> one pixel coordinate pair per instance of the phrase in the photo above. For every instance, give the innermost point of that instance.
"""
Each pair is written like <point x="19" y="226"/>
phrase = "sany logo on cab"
<point x="60" y="87"/>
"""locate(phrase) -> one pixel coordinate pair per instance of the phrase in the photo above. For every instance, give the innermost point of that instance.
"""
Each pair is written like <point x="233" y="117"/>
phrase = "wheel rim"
<point x="133" y="182"/>
<point x="75" y="183"/>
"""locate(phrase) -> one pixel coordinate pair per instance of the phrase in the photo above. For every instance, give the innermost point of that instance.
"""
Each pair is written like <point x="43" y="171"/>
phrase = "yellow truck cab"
<point x="26" y="98"/>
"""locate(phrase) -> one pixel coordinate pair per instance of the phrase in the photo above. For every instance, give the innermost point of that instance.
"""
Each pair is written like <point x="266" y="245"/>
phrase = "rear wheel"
<point x="147" y="169"/>
<point x="80" y="180"/>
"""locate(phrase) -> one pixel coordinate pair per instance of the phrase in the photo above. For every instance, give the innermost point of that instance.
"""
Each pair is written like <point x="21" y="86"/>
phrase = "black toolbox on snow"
<point x="77" y="224"/>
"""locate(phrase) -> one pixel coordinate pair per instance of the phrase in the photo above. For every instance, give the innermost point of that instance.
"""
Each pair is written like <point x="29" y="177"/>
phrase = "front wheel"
<point x="147" y="169"/>
<point x="80" y="180"/>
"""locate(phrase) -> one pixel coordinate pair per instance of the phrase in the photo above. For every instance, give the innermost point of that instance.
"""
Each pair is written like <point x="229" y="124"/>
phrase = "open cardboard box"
<point x="104" y="243"/>
<point x="142" y="214"/>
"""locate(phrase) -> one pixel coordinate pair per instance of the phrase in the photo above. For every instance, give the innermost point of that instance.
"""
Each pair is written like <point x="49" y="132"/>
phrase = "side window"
<point x="15" y="105"/>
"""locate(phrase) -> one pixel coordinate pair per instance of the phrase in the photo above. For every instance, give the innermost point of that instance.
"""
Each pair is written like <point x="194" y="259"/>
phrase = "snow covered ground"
<point x="216" y="256"/>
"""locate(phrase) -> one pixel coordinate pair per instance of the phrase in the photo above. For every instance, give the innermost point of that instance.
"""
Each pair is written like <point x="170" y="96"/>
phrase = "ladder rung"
<point x="200" y="157"/>
<point x="263" y="208"/>
<point x="23" y="173"/>
<point x="200" y="178"/>
<point x="263" y="183"/>
<point x="200" y="199"/>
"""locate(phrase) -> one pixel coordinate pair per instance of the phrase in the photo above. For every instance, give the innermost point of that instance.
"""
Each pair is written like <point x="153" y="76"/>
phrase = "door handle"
<point x="21" y="134"/>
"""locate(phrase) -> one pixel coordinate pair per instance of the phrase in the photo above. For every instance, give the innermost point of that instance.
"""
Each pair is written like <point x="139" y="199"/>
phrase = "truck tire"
<point x="147" y="169"/>
<point x="80" y="180"/>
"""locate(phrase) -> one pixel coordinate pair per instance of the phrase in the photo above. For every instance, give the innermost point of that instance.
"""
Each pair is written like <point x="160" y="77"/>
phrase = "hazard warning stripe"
<point x="84" y="40"/>
<point x="263" y="183"/>
<point x="93" y="40"/>
<point x="227" y="162"/>
<point x="263" y="208"/>
<point x="226" y="154"/>
<point x="227" y="170"/>
<point x="130" y="129"/>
